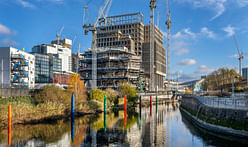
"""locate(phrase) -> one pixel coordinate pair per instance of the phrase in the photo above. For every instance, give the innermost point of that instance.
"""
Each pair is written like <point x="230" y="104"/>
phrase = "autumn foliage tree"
<point x="220" y="79"/>
<point x="77" y="87"/>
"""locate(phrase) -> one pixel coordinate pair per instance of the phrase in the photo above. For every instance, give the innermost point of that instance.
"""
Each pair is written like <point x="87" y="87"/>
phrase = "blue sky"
<point x="201" y="32"/>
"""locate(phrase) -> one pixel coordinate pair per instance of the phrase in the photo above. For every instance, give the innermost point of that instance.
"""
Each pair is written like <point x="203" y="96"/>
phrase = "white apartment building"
<point x="59" y="48"/>
<point x="16" y="68"/>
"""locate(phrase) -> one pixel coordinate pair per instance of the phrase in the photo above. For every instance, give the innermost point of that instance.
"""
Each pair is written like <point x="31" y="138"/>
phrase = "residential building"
<point x="17" y="68"/>
<point x="59" y="48"/>
<point x="45" y="67"/>
<point x="245" y="73"/>
<point x="114" y="67"/>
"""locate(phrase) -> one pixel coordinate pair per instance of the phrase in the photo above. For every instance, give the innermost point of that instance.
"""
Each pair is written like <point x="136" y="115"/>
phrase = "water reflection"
<point x="166" y="127"/>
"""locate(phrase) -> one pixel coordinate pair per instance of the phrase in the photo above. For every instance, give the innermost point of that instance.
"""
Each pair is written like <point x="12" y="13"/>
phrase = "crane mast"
<point x="101" y="18"/>
<point x="240" y="54"/>
<point x="168" y="23"/>
<point x="152" y="77"/>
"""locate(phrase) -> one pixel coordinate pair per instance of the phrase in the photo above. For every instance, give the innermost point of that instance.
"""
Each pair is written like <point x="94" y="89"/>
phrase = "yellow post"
<point x="9" y="122"/>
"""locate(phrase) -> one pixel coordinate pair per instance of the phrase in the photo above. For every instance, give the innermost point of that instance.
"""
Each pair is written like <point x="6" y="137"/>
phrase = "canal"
<point x="166" y="127"/>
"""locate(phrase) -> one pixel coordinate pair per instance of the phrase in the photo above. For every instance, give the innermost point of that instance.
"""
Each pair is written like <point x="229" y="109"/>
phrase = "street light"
<point x="233" y="85"/>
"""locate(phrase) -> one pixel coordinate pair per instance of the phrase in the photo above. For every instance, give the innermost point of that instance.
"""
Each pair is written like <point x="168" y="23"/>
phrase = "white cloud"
<point x="189" y="33"/>
<point x="177" y="35"/>
<point x="242" y="3"/>
<point x="25" y="4"/>
<point x="179" y="48"/>
<point x="180" y="72"/>
<point x="216" y="5"/>
<point x="186" y="62"/>
<point x="204" y="69"/>
<point x="186" y="34"/>
<point x="229" y="30"/>
<point x="234" y="56"/>
<point x="208" y="33"/>
<point x="8" y="42"/>
<point x="4" y="30"/>
<point x="181" y="51"/>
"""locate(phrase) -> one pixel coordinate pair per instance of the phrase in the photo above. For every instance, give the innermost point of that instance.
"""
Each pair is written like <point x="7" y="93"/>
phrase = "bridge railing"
<point x="235" y="103"/>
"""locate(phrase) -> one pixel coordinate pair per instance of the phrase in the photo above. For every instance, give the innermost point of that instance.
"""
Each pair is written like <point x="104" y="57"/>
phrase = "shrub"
<point x="239" y="89"/>
<point x="112" y="96"/>
<point x="96" y="94"/>
<point x="52" y="94"/>
<point x="129" y="91"/>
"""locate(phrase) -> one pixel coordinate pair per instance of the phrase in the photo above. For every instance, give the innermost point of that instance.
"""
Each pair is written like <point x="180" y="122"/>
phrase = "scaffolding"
<point x="19" y="72"/>
<point x="115" y="66"/>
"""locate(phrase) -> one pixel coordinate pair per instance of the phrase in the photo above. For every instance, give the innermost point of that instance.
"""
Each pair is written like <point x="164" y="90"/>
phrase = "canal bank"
<point x="223" y="122"/>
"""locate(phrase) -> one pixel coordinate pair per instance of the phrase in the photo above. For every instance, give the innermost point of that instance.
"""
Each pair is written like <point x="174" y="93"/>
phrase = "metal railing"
<point x="235" y="103"/>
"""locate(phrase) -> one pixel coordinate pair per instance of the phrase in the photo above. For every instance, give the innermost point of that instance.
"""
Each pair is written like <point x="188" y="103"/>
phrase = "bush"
<point x="112" y="96"/>
<point x="129" y="91"/>
<point x="239" y="89"/>
<point x="52" y="94"/>
<point x="96" y="94"/>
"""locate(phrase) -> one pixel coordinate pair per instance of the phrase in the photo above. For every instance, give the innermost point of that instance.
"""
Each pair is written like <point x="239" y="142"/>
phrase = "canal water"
<point x="165" y="127"/>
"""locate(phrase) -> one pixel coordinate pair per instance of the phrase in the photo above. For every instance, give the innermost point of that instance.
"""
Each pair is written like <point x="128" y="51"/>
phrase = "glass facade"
<point x="245" y="73"/>
<point x="45" y="65"/>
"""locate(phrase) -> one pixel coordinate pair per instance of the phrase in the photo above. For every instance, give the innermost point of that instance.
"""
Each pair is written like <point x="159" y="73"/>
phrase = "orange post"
<point x="9" y="123"/>
<point x="125" y="109"/>
<point x="150" y="105"/>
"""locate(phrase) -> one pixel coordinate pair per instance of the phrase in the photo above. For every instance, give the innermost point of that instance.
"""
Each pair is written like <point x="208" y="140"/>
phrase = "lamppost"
<point x="233" y="86"/>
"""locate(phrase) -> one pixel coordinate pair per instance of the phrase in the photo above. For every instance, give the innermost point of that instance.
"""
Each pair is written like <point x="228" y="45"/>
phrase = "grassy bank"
<point x="27" y="110"/>
<point x="53" y="103"/>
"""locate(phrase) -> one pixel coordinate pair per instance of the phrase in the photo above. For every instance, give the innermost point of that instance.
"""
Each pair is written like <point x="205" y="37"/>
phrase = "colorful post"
<point x="72" y="129"/>
<point x="140" y="111"/>
<point x="125" y="109"/>
<point x="72" y="106"/>
<point x="156" y="104"/>
<point x="105" y="112"/>
<point x="9" y="126"/>
<point x="150" y="105"/>
<point x="140" y="106"/>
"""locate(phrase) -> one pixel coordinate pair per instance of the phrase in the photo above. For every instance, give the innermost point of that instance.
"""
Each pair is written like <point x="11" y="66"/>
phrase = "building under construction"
<point x="123" y="30"/>
<point x="114" y="67"/>
<point x="129" y="31"/>
<point x="159" y="56"/>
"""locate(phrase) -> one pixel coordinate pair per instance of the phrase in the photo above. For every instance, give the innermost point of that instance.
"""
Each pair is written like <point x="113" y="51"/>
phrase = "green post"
<point x="156" y="103"/>
<point x="105" y="112"/>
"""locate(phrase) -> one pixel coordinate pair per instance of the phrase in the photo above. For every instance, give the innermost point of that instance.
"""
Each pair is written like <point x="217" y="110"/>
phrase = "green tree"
<point x="96" y="94"/>
<point x="220" y="79"/>
<point x="129" y="91"/>
<point x="112" y="96"/>
<point x="52" y="94"/>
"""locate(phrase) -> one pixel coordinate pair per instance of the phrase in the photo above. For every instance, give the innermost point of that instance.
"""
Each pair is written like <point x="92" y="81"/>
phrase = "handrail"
<point x="228" y="103"/>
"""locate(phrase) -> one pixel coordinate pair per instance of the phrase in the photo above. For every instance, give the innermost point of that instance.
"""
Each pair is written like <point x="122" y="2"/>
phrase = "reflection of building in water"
<point x="134" y="136"/>
<point x="65" y="141"/>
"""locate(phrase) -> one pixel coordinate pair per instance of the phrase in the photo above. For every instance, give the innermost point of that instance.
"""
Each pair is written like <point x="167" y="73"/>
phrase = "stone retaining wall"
<point x="14" y="92"/>
<point x="218" y="113"/>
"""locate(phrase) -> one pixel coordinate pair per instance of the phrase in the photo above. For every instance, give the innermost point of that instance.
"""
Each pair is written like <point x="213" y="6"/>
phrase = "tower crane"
<point x="168" y="23"/>
<point x="152" y="77"/>
<point x="101" y="19"/>
<point x="58" y="34"/>
<point x="240" y="54"/>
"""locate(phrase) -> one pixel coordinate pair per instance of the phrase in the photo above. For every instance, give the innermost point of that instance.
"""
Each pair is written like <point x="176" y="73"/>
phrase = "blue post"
<point x="105" y="113"/>
<point x="72" y="106"/>
<point x="72" y="129"/>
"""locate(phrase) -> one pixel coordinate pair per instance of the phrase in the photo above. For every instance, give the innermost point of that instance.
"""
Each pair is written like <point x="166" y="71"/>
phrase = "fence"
<point x="235" y="103"/>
